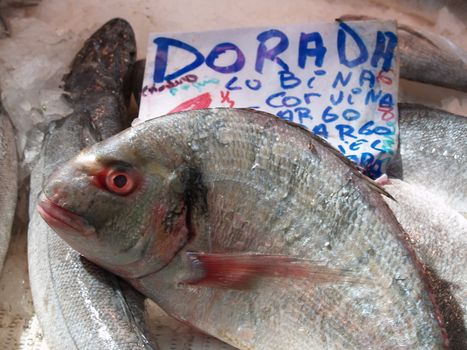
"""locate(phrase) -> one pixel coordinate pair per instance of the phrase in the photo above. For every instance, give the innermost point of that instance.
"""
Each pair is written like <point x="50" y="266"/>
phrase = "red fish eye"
<point x="120" y="182"/>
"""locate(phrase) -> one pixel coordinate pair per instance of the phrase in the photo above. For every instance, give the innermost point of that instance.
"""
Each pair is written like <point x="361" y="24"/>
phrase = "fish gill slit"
<point x="195" y="198"/>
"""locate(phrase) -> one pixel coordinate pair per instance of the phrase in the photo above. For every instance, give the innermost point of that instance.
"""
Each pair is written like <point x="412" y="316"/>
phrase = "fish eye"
<point x="120" y="181"/>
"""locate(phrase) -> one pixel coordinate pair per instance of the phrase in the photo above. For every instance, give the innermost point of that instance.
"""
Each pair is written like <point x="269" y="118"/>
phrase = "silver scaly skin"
<point x="243" y="182"/>
<point x="9" y="178"/>
<point x="439" y="236"/>
<point x="433" y="153"/>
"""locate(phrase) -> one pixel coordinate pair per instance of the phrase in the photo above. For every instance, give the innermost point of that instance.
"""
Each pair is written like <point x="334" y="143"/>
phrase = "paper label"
<point x="339" y="80"/>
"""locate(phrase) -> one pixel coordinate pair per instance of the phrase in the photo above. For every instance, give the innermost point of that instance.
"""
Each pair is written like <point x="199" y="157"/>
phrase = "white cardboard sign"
<point x="339" y="80"/>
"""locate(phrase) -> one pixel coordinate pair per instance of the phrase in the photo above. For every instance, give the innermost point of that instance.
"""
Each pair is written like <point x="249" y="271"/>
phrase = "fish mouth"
<point x="63" y="220"/>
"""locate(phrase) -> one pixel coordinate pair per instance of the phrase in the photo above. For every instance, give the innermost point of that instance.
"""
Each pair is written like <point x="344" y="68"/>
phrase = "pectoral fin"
<point x="240" y="271"/>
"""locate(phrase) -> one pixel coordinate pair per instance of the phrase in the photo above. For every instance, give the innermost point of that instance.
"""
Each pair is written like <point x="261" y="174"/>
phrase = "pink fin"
<point x="240" y="271"/>
<point x="383" y="180"/>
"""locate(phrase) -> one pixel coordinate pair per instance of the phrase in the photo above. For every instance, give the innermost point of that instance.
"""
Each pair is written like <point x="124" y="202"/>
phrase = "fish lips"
<point x="63" y="221"/>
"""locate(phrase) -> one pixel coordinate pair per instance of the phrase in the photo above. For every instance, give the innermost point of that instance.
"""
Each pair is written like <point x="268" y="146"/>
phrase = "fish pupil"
<point x="120" y="181"/>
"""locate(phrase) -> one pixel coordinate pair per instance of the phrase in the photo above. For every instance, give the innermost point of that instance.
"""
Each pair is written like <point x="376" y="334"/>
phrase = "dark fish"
<point x="433" y="153"/>
<point x="79" y="305"/>
<point x="250" y="229"/>
<point x="137" y="80"/>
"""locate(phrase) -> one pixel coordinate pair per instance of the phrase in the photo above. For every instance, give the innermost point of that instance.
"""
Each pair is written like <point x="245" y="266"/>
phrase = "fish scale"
<point x="440" y="235"/>
<point x="334" y="217"/>
<point x="433" y="153"/>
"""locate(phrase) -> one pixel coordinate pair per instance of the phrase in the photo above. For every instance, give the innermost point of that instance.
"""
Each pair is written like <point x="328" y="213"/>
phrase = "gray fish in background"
<point x="9" y="178"/>
<point x="427" y="57"/>
<point x="250" y="229"/>
<point x="439" y="236"/>
<point x="432" y="59"/>
<point x="4" y="28"/>
<point x="433" y="153"/>
<point x="79" y="305"/>
<point x="428" y="9"/>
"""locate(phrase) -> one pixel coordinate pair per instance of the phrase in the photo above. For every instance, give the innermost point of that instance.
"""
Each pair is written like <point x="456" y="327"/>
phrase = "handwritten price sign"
<point x="339" y="80"/>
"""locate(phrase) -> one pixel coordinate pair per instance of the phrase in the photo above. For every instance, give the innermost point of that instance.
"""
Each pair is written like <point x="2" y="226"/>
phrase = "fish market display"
<point x="79" y="305"/>
<point x="439" y="235"/>
<point x="250" y="229"/>
<point x="433" y="153"/>
<point x="8" y="175"/>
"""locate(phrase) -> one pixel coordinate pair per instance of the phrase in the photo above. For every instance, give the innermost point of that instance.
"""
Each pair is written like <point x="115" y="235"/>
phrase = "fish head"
<point x="117" y="205"/>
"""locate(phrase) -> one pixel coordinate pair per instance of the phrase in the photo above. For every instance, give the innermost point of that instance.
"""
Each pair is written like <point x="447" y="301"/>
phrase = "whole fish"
<point x="439" y="236"/>
<point x="433" y="153"/>
<point x="249" y="228"/>
<point x="427" y="57"/>
<point x="79" y="305"/>
<point x="9" y="176"/>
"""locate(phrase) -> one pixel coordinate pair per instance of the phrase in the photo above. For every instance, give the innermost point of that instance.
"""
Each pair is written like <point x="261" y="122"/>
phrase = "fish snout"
<point x="69" y="187"/>
<point x="63" y="221"/>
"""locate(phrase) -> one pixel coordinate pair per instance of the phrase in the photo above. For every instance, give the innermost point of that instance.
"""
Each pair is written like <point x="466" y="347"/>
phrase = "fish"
<point x="137" y="80"/>
<point x="429" y="10"/>
<point x="79" y="305"/>
<point x="4" y="27"/>
<point x="427" y="57"/>
<point x="250" y="229"/>
<point x="439" y="236"/>
<point x="431" y="59"/>
<point x="9" y="176"/>
<point x="433" y="153"/>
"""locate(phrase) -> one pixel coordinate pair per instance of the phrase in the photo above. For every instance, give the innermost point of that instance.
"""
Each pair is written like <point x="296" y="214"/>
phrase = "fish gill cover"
<point x="339" y="80"/>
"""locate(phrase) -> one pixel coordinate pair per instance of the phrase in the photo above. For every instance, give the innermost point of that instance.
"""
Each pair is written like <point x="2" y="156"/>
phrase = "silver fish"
<point x="250" y="229"/>
<point x="433" y="153"/>
<point x="9" y="177"/>
<point x="79" y="305"/>
<point x="427" y="57"/>
<point x="439" y="235"/>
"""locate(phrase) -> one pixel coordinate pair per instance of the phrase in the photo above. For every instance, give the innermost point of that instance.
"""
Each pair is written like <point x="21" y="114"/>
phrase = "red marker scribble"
<point x="199" y="102"/>
<point x="225" y="96"/>
<point x="384" y="79"/>
<point x="387" y="113"/>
